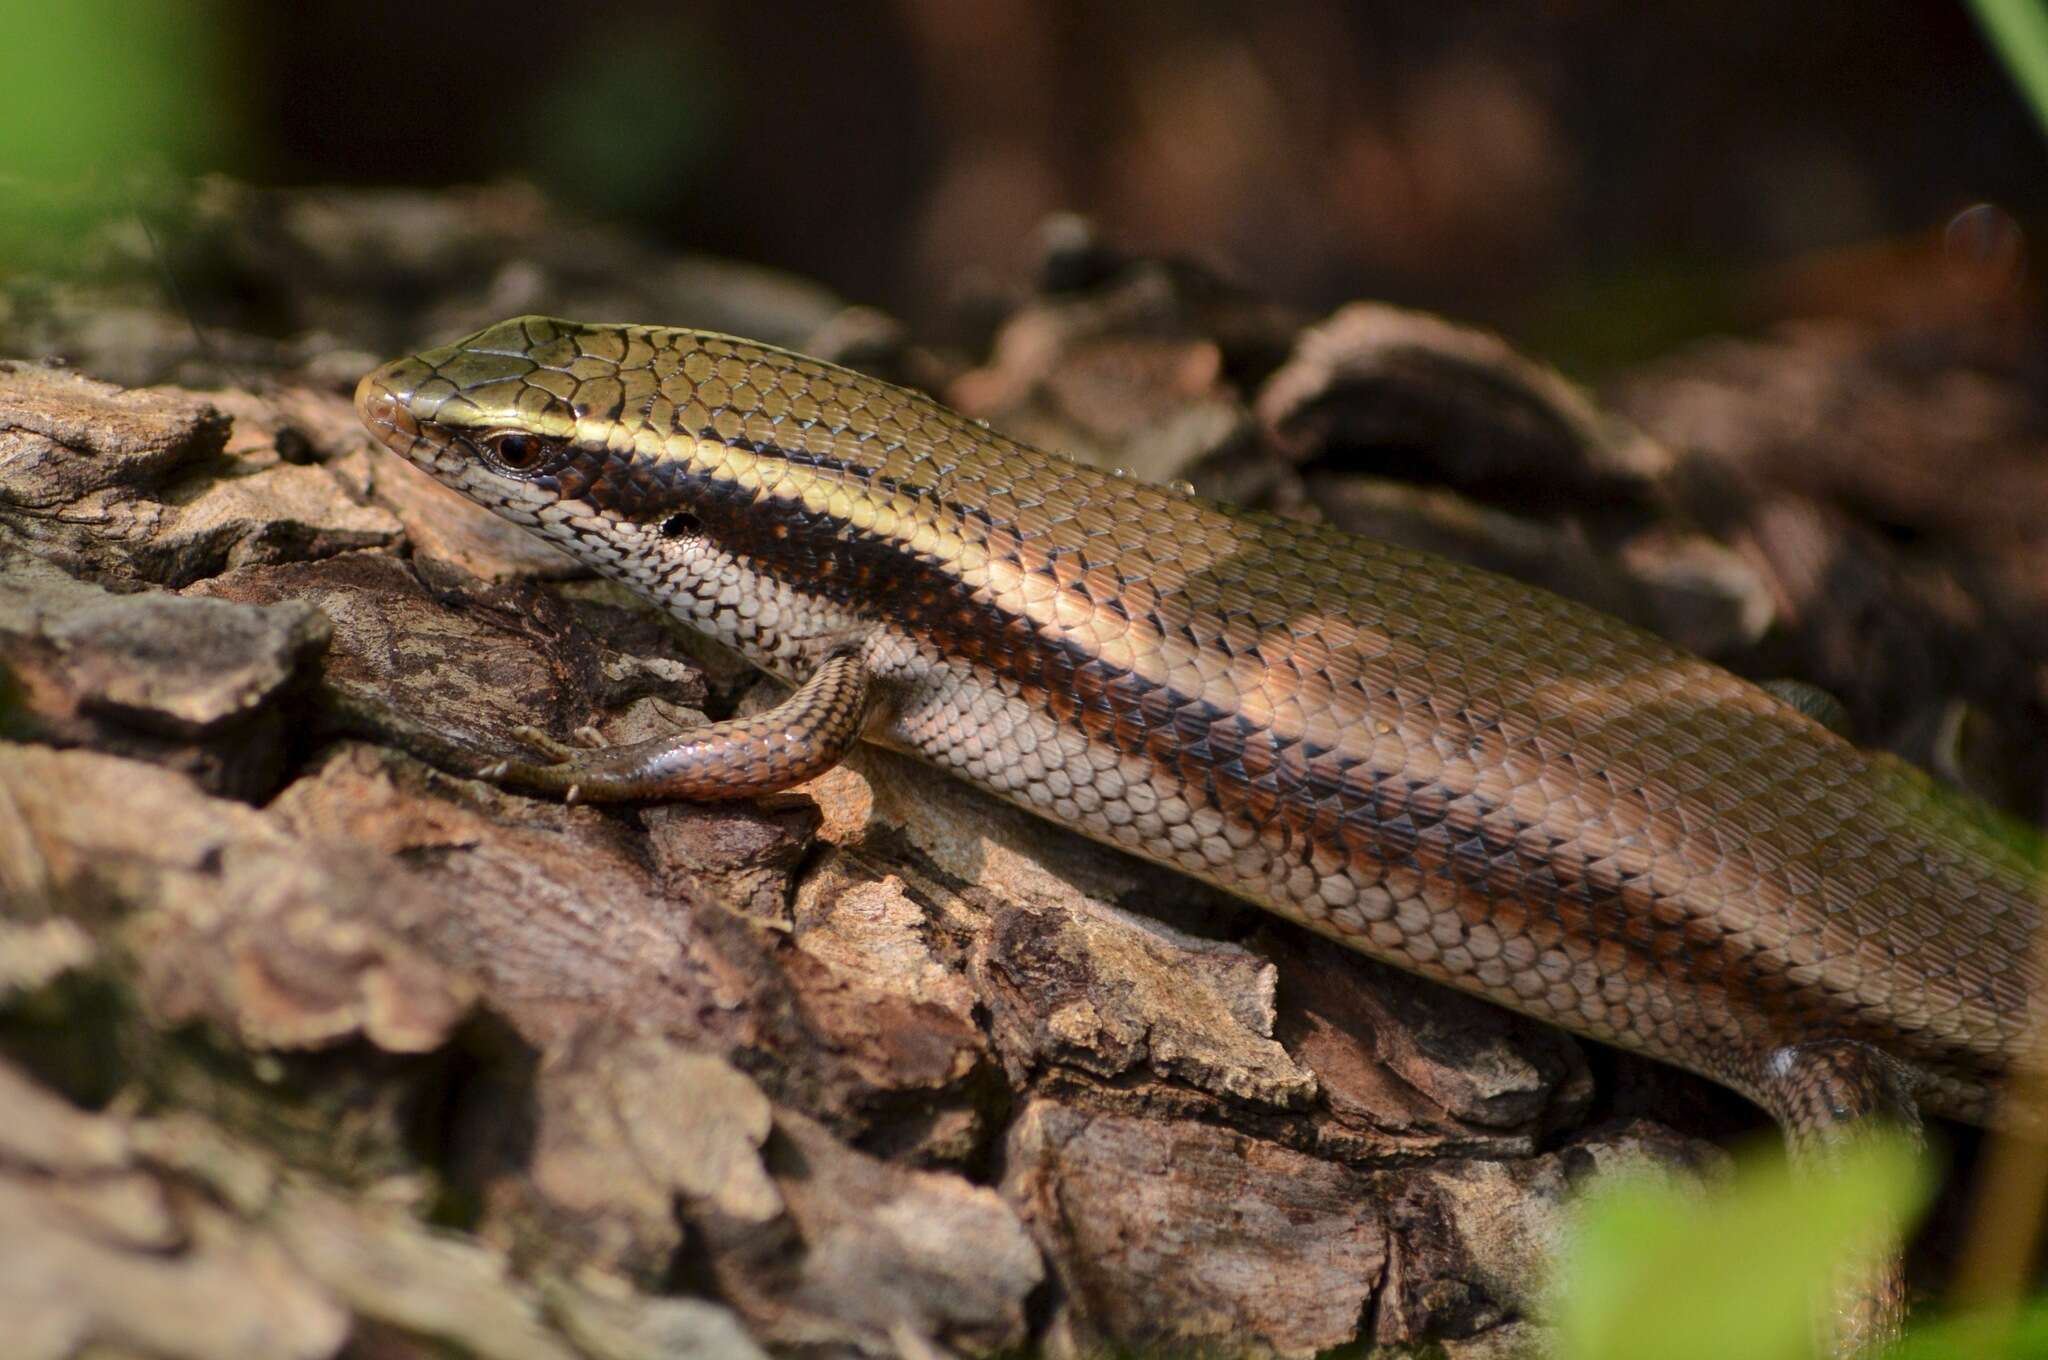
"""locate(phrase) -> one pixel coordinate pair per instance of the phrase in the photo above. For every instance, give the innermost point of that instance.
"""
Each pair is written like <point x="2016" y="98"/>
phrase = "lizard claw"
<point x="557" y="752"/>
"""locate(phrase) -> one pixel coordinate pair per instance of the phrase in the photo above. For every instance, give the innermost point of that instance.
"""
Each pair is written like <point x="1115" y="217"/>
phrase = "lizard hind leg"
<point x="1828" y="1095"/>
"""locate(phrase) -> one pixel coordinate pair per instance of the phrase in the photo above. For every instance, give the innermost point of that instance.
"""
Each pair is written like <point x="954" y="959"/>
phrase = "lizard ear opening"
<point x="681" y="526"/>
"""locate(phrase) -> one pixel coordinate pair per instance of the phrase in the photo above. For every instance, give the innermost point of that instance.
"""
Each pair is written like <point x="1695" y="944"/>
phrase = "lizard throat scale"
<point x="1464" y="776"/>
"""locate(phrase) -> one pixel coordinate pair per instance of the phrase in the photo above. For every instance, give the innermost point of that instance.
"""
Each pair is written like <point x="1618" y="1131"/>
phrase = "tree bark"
<point x="312" y="1045"/>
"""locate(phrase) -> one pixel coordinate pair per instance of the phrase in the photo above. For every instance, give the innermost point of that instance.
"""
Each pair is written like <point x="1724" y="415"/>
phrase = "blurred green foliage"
<point x="2018" y="30"/>
<point x="94" y="96"/>
<point x="2023" y="1336"/>
<point x="625" y="116"/>
<point x="90" y="86"/>
<point x="1665" y="1270"/>
<point x="1662" y="1269"/>
<point x="1601" y="322"/>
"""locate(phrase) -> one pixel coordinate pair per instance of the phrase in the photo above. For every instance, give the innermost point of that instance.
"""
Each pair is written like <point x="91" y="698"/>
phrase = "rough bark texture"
<point x="310" y="1045"/>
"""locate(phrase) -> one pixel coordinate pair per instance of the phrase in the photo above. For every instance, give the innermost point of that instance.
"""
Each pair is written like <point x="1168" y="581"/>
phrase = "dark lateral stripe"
<point x="1310" y="792"/>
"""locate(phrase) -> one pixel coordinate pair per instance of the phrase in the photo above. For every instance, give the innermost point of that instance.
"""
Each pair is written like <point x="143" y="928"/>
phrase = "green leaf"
<point x="2018" y="30"/>
<point x="2022" y="1335"/>
<point x="1684" y="1274"/>
<point x="99" y="99"/>
<point x="92" y="86"/>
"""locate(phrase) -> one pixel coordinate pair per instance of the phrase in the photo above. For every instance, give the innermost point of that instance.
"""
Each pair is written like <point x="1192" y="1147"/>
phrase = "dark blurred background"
<point x="1598" y="178"/>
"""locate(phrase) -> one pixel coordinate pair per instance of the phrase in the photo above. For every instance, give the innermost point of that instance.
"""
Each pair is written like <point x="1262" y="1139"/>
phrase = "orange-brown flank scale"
<point x="1437" y="766"/>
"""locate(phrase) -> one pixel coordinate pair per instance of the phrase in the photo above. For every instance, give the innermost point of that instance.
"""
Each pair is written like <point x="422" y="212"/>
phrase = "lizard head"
<point x="733" y="482"/>
<point x="524" y="417"/>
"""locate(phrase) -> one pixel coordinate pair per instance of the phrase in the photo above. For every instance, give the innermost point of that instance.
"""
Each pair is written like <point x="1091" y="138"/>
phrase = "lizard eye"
<point x="515" y="451"/>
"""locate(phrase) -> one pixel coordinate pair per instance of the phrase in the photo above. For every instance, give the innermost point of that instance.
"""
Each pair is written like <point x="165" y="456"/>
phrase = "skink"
<point x="1445" y="769"/>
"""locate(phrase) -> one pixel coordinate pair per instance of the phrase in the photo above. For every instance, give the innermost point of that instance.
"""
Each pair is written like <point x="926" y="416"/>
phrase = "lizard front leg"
<point x="804" y="735"/>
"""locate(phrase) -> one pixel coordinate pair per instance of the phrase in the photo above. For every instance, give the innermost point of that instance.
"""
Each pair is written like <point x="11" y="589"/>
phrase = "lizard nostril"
<point x="381" y="404"/>
<point x="374" y="400"/>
